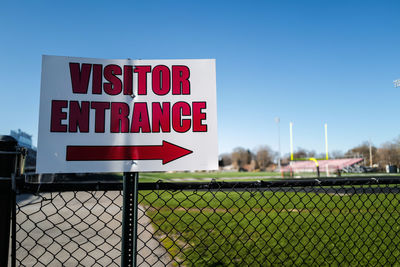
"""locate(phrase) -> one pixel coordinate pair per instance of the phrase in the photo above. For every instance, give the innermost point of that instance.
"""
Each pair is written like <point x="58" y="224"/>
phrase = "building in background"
<point x="23" y="138"/>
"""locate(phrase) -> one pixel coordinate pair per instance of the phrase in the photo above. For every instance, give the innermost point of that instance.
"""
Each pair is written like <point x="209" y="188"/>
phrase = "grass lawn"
<point x="233" y="228"/>
<point x="155" y="176"/>
<point x="231" y="176"/>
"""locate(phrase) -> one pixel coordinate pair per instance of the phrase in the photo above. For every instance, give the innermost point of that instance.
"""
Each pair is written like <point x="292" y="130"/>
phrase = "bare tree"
<point x="388" y="154"/>
<point x="264" y="156"/>
<point x="362" y="151"/>
<point x="336" y="154"/>
<point x="225" y="159"/>
<point x="241" y="157"/>
<point x="302" y="153"/>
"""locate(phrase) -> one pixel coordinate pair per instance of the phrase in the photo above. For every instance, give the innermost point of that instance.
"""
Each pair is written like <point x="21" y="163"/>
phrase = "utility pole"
<point x="326" y="141"/>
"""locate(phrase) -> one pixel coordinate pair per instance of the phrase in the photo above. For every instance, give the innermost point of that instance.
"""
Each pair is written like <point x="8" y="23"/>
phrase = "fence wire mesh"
<point x="69" y="229"/>
<point x="355" y="222"/>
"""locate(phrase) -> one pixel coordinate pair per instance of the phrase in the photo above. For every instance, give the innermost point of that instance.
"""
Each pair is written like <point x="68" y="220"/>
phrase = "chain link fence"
<point x="69" y="228"/>
<point x="342" y="222"/>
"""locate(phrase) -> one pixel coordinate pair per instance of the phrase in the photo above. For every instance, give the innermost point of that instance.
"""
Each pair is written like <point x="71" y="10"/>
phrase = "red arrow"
<point x="167" y="152"/>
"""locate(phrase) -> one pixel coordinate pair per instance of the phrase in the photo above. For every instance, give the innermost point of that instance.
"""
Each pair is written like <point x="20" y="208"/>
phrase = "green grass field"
<point x="230" y="176"/>
<point x="206" y="176"/>
<point x="276" y="228"/>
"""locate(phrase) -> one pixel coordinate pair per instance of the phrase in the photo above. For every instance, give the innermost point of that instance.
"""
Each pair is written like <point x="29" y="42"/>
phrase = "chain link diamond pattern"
<point x="220" y="224"/>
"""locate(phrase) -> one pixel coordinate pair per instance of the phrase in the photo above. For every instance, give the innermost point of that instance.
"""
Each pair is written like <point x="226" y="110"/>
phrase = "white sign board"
<point x="99" y="115"/>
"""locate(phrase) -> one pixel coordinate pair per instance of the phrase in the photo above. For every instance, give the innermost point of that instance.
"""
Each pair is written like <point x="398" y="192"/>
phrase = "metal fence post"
<point x="5" y="209"/>
<point x="13" y="220"/>
<point x="8" y="168"/>
<point x="129" y="219"/>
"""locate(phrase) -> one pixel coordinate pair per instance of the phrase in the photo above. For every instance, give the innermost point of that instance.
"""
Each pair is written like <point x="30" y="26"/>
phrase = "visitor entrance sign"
<point x="102" y="115"/>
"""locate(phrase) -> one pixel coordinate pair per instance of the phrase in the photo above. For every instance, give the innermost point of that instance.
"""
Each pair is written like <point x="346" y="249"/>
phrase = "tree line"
<point x="263" y="158"/>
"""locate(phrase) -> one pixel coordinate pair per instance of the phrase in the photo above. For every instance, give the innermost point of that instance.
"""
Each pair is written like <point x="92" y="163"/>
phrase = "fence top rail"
<point x="303" y="182"/>
<point x="213" y="185"/>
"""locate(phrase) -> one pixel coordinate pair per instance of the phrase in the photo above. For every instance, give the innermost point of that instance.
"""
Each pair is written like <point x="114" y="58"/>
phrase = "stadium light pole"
<point x="277" y="120"/>
<point x="396" y="83"/>
<point x="326" y="141"/>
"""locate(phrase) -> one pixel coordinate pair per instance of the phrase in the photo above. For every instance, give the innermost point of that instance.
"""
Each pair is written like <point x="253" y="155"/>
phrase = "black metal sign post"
<point x="129" y="219"/>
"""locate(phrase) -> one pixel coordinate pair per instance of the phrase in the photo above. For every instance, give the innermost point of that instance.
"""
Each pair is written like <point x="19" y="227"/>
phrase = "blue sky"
<point x="309" y="62"/>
